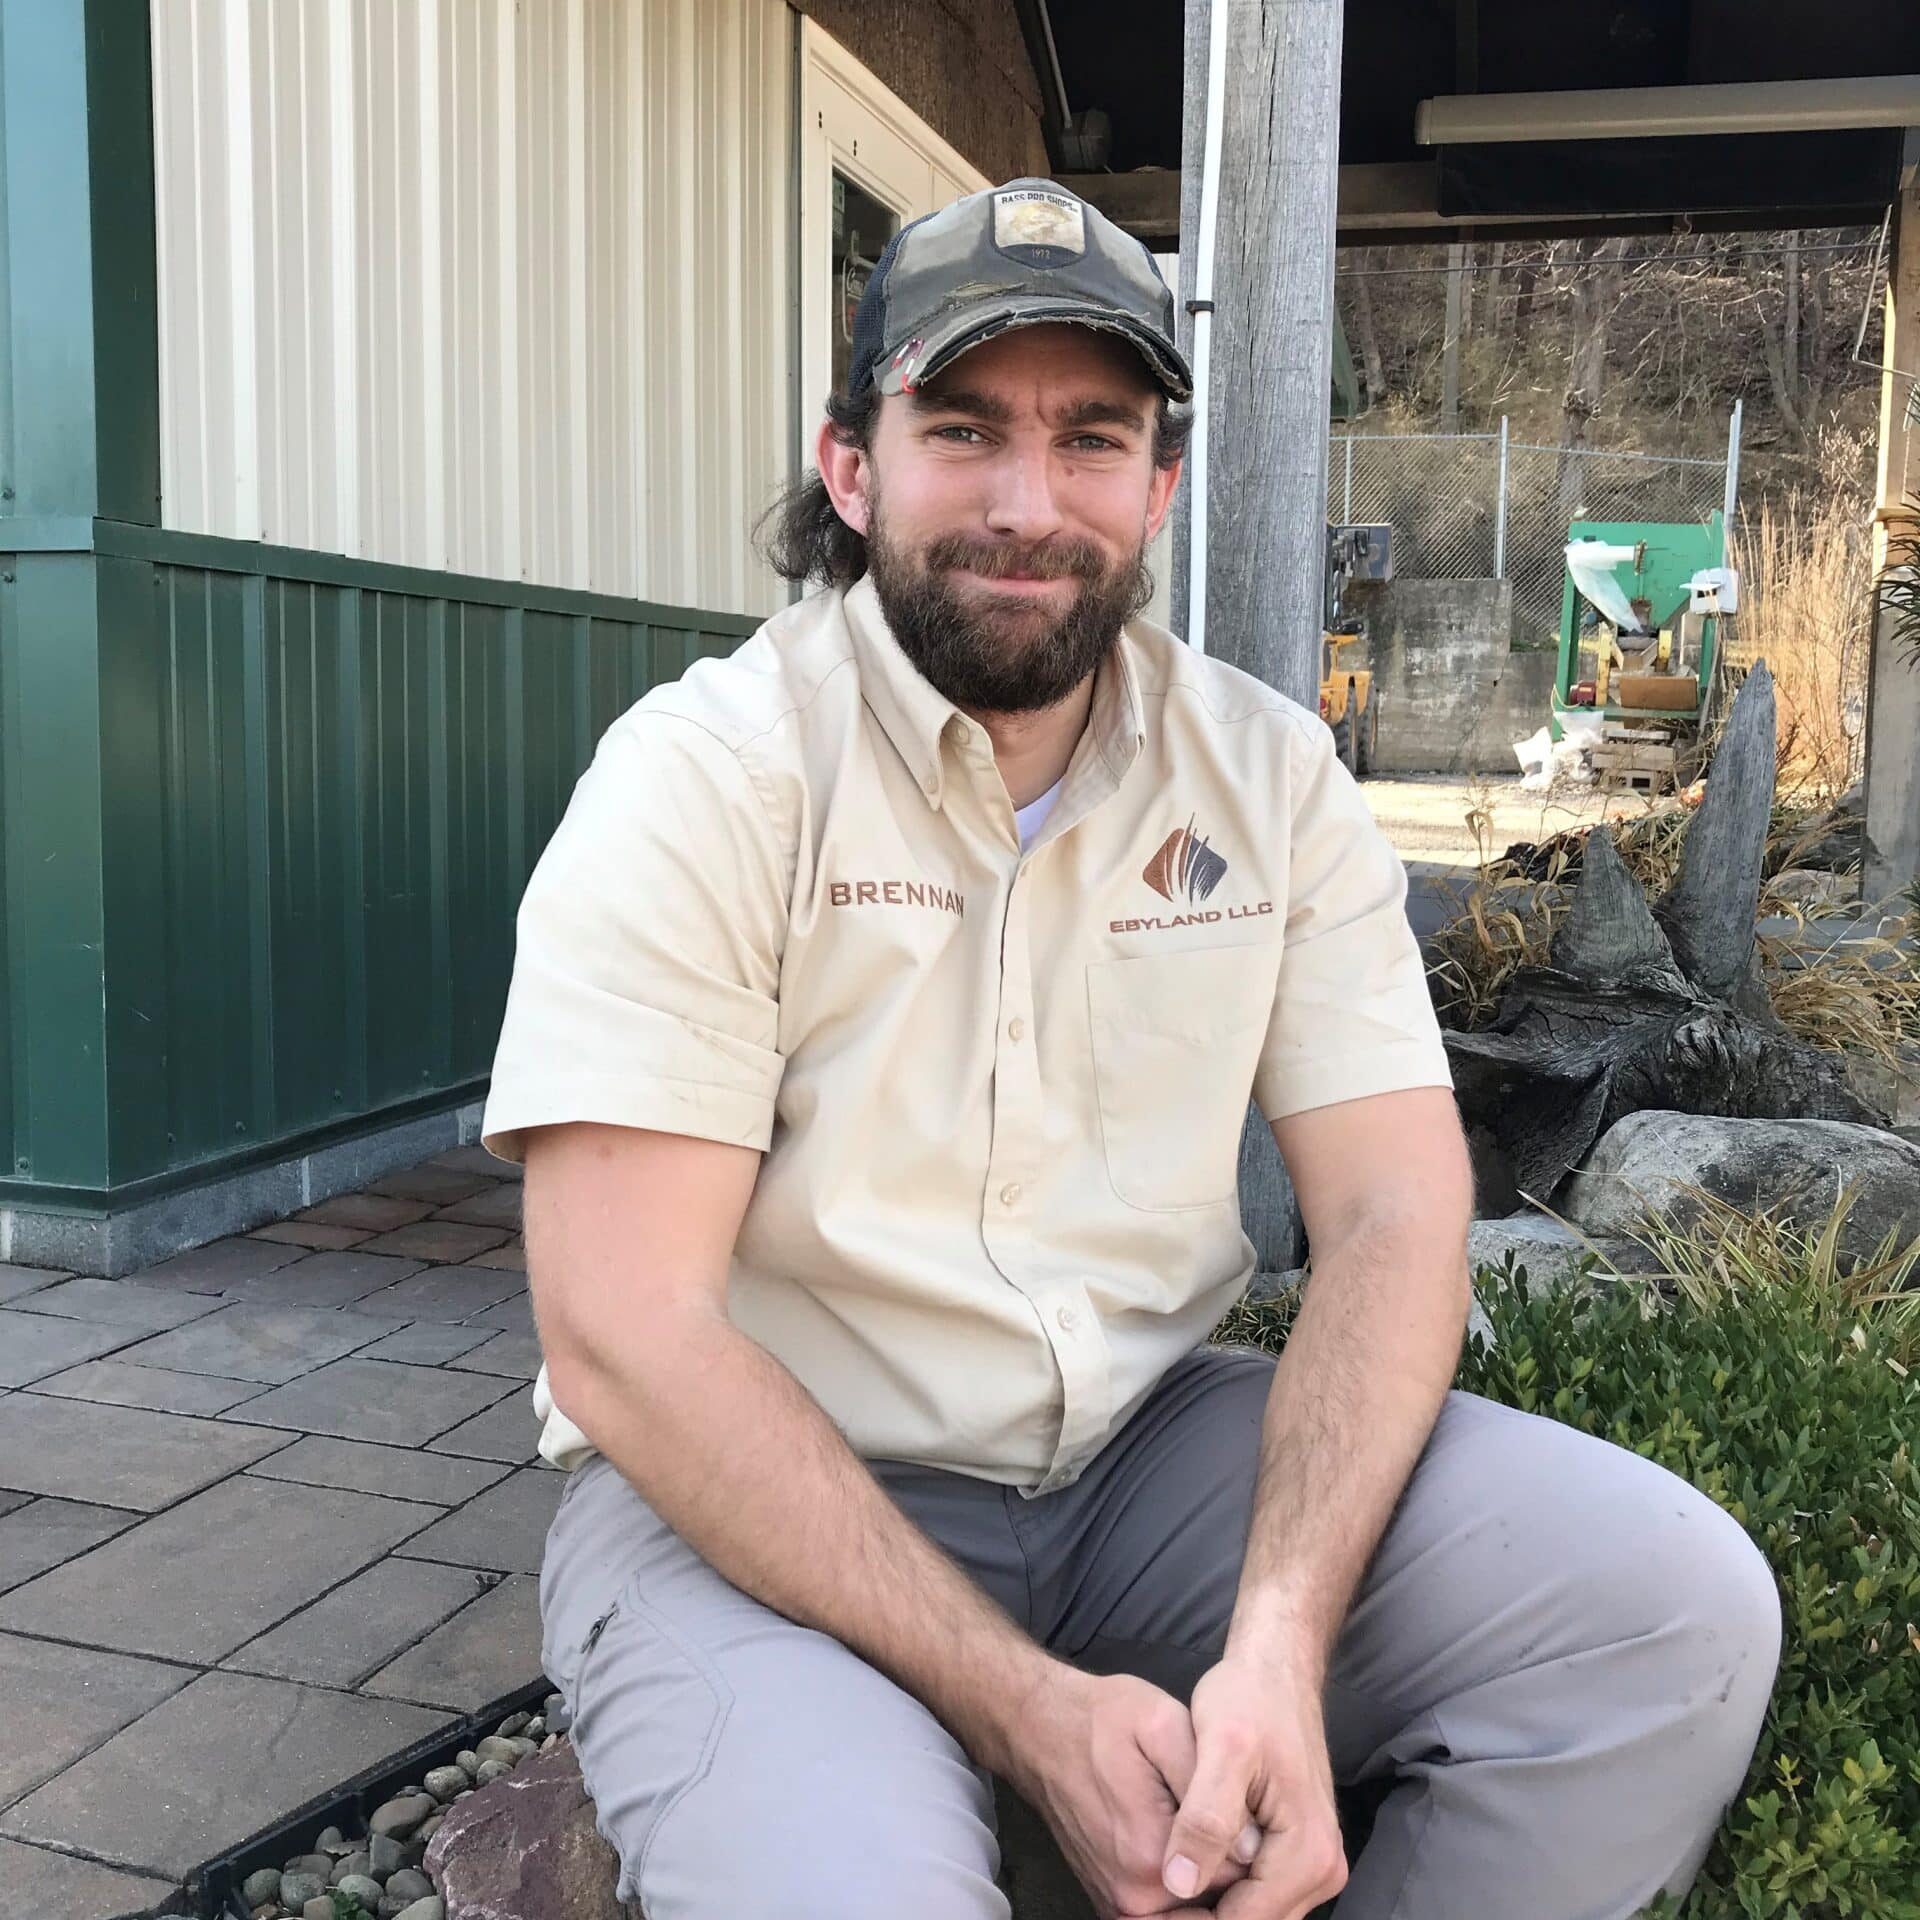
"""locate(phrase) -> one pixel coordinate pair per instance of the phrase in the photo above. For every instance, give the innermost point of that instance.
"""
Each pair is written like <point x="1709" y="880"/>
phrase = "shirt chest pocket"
<point x="1176" y="1038"/>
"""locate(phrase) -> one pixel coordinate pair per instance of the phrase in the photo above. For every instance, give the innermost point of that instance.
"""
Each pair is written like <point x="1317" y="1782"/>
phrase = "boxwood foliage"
<point x="1797" y="1408"/>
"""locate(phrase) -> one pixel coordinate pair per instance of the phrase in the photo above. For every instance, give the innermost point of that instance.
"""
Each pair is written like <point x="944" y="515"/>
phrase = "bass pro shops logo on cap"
<point x="1039" y="229"/>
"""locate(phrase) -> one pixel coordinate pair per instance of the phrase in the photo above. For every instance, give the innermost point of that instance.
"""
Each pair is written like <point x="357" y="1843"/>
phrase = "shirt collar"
<point x="915" y="715"/>
<point x="912" y="712"/>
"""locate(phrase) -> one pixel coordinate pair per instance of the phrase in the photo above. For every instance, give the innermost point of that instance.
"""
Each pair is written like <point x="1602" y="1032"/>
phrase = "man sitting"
<point x="885" y="1015"/>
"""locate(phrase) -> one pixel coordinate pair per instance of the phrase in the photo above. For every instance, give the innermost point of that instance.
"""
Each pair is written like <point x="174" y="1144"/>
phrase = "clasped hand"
<point x="1171" y="1813"/>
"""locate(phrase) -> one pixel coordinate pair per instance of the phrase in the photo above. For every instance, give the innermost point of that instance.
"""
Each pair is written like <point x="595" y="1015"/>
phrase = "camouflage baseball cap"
<point x="1013" y="256"/>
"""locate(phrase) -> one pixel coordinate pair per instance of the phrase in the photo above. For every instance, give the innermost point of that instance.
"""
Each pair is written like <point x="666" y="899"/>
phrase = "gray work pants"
<point x="1560" y="1658"/>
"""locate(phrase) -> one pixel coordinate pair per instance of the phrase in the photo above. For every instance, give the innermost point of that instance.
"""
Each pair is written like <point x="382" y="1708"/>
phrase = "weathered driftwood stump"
<point x="1644" y="1006"/>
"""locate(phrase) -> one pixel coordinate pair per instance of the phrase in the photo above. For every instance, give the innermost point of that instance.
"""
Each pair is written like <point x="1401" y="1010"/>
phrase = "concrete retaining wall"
<point x="1454" y="696"/>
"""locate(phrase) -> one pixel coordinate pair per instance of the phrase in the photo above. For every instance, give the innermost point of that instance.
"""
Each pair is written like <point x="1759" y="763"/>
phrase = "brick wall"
<point x="961" y="65"/>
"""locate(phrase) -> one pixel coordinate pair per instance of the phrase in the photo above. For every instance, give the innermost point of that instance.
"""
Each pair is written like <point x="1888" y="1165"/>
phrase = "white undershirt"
<point x="1033" y="816"/>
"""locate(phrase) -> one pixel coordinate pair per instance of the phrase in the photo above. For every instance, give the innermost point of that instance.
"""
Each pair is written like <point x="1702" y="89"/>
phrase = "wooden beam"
<point x="1893" y="683"/>
<point x="1145" y="202"/>
<point x="1397" y="203"/>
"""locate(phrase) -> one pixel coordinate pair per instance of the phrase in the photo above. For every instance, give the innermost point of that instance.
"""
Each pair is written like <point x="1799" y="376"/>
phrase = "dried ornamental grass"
<point x="1714" y="1254"/>
<point x="1807" y="609"/>
<point x="1863" y="995"/>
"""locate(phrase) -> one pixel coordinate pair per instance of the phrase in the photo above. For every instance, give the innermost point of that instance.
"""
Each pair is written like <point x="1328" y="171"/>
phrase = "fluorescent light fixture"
<point x="1648" y="113"/>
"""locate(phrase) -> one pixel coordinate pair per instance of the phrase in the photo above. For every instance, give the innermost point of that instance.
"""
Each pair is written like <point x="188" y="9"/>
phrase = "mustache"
<point x="996" y="559"/>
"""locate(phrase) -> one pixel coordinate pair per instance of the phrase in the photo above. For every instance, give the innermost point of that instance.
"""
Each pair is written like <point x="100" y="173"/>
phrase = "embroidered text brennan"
<point x="895" y="893"/>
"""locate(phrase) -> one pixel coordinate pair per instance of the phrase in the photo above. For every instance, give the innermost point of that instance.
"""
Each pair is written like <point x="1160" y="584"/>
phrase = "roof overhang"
<point x="1506" y="117"/>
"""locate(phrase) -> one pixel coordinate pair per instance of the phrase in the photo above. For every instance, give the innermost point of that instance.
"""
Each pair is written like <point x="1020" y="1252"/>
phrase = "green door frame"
<point x="79" y="371"/>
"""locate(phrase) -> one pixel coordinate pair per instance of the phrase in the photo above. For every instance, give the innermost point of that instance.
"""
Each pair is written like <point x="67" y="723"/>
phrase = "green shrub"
<point x="1795" y="1405"/>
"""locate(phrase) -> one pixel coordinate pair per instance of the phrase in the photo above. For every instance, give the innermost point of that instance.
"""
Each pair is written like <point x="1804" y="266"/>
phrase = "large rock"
<point x="1892" y="1086"/>
<point x="1649" y="1160"/>
<point x="526" y="1848"/>
<point x="1548" y="1251"/>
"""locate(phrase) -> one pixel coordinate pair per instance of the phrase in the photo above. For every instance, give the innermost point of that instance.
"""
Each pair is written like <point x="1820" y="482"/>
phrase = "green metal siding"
<point x="313" y="791"/>
<point x="314" y="918"/>
<point x="56" y="977"/>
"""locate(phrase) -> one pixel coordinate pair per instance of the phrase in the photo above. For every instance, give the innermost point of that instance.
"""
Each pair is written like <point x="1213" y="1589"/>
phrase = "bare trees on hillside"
<point x="1633" y="342"/>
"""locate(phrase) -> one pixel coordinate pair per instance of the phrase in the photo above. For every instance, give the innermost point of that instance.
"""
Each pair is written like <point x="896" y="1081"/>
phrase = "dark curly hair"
<point x="801" y="536"/>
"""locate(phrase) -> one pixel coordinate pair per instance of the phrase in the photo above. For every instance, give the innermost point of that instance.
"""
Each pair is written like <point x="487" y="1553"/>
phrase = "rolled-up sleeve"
<point x="647" y="958"/>
<point x="1351" y="1013"/>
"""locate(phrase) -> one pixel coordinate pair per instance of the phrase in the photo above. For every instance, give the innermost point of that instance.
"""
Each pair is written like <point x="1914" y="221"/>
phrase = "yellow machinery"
<point x="1348" y="702"/>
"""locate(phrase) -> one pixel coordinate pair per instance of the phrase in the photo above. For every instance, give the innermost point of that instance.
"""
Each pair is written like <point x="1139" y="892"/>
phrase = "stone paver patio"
<point x="269" y="1513"/>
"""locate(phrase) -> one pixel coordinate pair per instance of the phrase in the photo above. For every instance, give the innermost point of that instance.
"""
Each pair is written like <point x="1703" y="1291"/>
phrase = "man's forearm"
<point x="733" y="1453"/>
<point x="1366" y="1369"/>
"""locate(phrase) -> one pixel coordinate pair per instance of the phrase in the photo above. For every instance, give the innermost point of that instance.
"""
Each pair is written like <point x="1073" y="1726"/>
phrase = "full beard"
<point x="991" y="654"/>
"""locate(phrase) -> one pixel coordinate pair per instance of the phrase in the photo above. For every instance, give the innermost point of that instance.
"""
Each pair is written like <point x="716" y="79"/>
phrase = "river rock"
<point x="512" y="1724"/>
<point x="408" y="1885"/>
<point x="385" y="1854"/>
<point x="525" y="1848"/>
<point x="497" y="1747"/>
<point x="1651" y="1159"/>
<point x="444" y="1782"/>
<point x="468" y="1761"/>
<point x="360" y="1863"/>
<point x="260" y="1886"/>
<point x="431" y="1908"/>
<point x="319" y="1908"/>
<point x="316" y="1862"/>
<point x="297" y="1888"/>
<point x="363" y="1887"/>
<point x="333" y="1841"/>
<point x="492" y="1770"/>
<point x="398" y="1817"/>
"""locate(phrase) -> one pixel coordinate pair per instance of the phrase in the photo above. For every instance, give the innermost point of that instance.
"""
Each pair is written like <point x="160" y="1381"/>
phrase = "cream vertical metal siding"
<point x="502" y="288"/>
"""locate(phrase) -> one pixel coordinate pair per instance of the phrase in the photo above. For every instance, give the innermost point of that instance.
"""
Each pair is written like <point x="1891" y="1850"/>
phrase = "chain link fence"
<point x="1469" y="506"/>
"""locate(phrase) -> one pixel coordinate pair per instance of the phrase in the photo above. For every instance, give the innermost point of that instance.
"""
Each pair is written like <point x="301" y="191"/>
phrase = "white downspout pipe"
<point x="1202" y="310"/>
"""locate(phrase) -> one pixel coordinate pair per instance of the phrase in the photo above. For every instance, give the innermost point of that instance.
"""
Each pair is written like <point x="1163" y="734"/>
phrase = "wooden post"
<point x="1272" y="361"/>
<point x="1272" y="346"/>
<point x="1893" y="683"/>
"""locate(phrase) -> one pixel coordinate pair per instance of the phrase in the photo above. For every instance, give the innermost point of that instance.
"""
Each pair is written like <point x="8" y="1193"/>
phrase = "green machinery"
<point x="1639" y="622"/>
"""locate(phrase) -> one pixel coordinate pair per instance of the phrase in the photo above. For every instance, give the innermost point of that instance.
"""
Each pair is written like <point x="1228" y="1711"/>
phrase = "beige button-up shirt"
<point x="1000" y="1095"/>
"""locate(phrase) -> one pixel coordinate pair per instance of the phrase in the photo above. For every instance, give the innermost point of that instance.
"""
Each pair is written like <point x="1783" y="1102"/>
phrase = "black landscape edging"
<point x="213" y="1888"/>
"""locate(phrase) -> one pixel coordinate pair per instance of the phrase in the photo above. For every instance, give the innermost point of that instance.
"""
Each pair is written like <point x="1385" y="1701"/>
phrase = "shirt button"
<point x="1067" y="1319"/>
<point x="933" y="783"/>
<point x="1010" y="1193"/>
<point x="1016" y="1027"/>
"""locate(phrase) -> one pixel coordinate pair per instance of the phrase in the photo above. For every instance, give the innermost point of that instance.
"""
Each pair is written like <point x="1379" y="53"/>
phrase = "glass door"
<point x="862" y="226"/>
